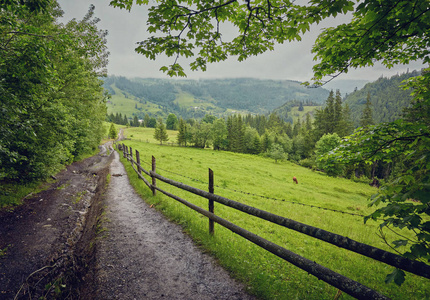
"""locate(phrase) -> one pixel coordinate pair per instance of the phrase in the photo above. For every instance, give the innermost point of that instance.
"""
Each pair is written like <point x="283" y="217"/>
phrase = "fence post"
<point x="154" y="183"/>
<point x="211" y="202"/>
<point x="131" y="156"/>
<point x="125" y="150"/>
<point x="138" y="161"/>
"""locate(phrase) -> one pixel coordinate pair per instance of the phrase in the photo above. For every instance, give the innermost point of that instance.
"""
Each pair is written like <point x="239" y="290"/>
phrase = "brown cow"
<point x="295" y="180"/>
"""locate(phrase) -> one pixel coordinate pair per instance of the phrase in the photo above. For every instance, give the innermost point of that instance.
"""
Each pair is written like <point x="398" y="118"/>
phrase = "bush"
<point x="307" y="163"/>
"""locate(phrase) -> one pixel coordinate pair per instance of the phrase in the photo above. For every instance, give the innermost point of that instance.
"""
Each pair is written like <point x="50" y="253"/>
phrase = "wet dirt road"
<point x="144" y="256"/>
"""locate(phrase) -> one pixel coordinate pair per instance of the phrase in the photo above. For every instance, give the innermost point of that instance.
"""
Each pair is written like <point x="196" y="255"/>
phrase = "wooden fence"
<point x="339" y="281"/>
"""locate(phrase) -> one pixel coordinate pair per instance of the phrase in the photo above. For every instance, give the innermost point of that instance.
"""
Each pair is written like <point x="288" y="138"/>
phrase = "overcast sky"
<point x="291" y="61"/>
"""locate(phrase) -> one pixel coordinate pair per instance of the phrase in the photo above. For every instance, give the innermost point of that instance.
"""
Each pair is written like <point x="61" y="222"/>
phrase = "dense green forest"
<point x="52" y="104"/>
<point x="387" y="97"/>
<point x="196" y="98"/>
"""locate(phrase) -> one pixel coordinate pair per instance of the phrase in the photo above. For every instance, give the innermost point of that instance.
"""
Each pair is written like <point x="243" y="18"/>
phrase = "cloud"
<point x="292" y="61"/>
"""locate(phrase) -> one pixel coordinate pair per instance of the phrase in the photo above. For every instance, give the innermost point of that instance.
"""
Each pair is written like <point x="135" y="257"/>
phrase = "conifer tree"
<point x="289" y="130"/>
<point x="266" y="143"/>
<point x="239" y="136"/>
<point x="182" y="132"/>
<point x="160" y="133"/>
<point x="308" y="123"/>
<point x="337" y="111"/>
<point x="146" y="120"/>
<point x="366" y="118"/>
<point x="112" y="131"/>
<point x="346" y="126"/>
<point x="329" y="112"/>
<point x="296" y="128"/>
<point x="119" y="119"/>
<point x="135" y="121"/>
<point x="219" y="134"/>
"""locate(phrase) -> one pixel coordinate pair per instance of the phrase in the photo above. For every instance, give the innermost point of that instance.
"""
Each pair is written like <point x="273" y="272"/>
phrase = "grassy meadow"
<point x="126" y="104"/>
<point x="296" y="114"/>
<point x="266" y="275"/>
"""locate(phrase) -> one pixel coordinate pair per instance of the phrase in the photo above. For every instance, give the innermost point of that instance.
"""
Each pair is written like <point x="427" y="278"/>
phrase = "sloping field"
<point x="317" y="200"/>
<point x="126" y="104"/>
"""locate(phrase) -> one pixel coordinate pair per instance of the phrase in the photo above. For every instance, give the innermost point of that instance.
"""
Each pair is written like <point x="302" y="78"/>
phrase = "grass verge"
<point x="268" y="186"/>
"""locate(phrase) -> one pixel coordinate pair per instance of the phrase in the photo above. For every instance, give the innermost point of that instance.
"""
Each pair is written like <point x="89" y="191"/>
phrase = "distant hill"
<point x="195" y="98"/>
<point x="345" y="86"/>
<point x="291" y="111"/>
<point x="387" y="98"/>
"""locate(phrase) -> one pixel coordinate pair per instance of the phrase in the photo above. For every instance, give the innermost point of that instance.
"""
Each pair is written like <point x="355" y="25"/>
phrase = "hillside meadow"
<point x="264" y="184"/>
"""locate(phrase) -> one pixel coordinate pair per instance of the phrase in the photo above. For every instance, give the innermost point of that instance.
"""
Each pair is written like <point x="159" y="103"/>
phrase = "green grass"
<point x="268" y="276"/>
<point x="13" y="194"/>
<point x="143" y="134"/>
<point x="126" y="104"/>
<point x="295" y="113"/>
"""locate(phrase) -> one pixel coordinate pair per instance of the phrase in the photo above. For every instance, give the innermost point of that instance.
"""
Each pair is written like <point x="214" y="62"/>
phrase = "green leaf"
<point x="400" y="243"/>
<point x="398" y="276"/>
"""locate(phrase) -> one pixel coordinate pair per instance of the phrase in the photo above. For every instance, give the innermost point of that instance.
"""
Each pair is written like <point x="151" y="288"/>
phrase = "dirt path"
<point x="45" y="240"/>
<point x="144" y="256"/>
<point x="51" y="247"/>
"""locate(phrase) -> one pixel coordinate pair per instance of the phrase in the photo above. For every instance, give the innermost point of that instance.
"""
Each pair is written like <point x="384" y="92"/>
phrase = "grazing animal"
<point x="295" y="180"/>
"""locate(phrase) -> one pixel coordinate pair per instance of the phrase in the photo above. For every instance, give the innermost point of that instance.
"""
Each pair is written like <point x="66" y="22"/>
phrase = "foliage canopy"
<point x="52" y="102"/>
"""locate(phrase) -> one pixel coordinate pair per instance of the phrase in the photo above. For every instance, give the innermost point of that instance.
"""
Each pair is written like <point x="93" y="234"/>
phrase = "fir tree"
<point x="366" y="117"/>
<point x="160" y="133"/>
<point x="112" y="131"/>
<point x="182" y="132"/>
<point x="296" y="128"/>
<point x="266" y="143"/>
<point x="135" y="122"/>
<point x="329" y="113"/>
<point x="146" y="120"/>
<point x="308" y="123"/>
<point x="337" y="111"/>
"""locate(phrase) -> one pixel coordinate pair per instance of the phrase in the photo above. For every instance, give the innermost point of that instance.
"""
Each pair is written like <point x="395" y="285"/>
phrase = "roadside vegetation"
<point x="52" y="103"/>
<point x="262" y="183"/>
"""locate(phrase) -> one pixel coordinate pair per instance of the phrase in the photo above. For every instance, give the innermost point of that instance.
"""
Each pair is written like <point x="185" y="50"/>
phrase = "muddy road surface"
<point x="45" y="241"/>
<point x="87" y="237"/>
<point x="144" y="256"/>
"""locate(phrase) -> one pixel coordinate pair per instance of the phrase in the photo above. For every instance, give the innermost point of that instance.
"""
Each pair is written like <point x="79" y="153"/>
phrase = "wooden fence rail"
<point x="339" y="281"/>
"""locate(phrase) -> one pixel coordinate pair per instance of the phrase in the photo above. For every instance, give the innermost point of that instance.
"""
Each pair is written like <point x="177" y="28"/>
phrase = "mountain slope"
<point x="195" y="98"/>
<point x="387" y="97"/>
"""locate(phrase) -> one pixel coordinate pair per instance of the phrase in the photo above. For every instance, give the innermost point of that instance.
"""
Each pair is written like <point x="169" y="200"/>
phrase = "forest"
<point x="387" y="95"/>
<point x="52" y="104"/>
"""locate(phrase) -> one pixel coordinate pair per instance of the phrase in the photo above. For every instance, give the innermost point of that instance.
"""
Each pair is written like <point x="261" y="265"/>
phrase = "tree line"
<point x="303" y="141"/>
<point x="52" y="104"/>
<point x="261" y="134"/>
